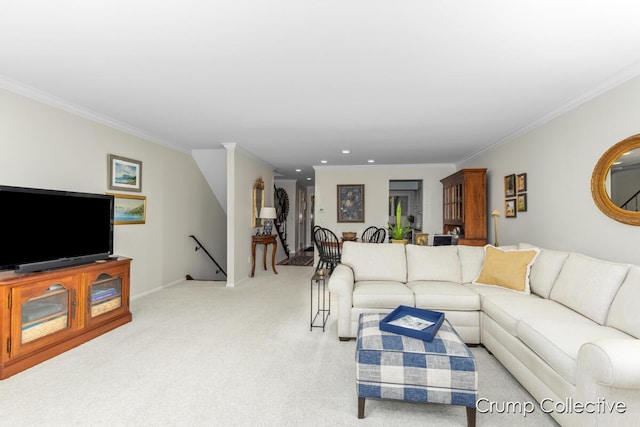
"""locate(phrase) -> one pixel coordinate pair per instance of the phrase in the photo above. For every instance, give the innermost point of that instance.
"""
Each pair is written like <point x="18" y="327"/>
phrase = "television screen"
<point x="44" y="229"/>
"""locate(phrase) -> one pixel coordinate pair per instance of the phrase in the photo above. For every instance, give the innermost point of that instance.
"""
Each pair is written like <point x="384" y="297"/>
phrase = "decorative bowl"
<point x="349" y="235"/>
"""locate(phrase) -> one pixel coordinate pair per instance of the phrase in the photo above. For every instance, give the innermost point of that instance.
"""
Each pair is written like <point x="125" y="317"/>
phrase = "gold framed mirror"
<point x="258" y="202"/>
<point x="614" y="182"/>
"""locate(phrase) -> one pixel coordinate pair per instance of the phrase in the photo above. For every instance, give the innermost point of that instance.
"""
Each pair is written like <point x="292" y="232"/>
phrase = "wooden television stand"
<point x="47" y="313"/>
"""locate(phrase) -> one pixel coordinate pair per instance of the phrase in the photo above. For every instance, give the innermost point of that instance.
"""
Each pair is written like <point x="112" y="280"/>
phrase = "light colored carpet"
<point x="199" y="353"/>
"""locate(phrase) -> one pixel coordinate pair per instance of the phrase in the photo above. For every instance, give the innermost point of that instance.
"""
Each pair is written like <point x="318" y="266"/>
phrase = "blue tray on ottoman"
<point x="413" y="315"/>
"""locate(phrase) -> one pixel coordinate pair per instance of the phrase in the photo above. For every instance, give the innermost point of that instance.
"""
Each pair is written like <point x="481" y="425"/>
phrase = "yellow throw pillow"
<point x="507" y="269"/>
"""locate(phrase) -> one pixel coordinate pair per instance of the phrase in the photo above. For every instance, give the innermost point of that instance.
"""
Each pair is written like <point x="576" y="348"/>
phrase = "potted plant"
<point x="400" y="230"/>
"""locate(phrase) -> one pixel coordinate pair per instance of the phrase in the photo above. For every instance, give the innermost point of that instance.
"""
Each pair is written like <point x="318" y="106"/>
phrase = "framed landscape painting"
<point x="351" y="203"/>
<point x="124" y="174"/>
<point x="129" y="209"/>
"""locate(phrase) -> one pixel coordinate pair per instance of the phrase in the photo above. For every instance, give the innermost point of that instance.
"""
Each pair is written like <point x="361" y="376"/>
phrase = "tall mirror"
<point x="615" y="183"/>
<point x="258" y="202"/>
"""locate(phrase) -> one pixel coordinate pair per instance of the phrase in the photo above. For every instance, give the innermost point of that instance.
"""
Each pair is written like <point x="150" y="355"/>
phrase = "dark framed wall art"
<point x="510" y="185"/>
<point x="510" y="208"/>
<point x="521" y="181"/>
<point x="522" y="202"/>
<point x="351" y="203"/>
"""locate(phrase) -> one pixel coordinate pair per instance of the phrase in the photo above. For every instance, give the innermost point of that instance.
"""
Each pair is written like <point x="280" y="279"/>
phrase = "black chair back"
<point x="368" y="233"/>
<point x="379" y="236"/>
<point x="374" y="234"/>
<point x="329" y="248"/>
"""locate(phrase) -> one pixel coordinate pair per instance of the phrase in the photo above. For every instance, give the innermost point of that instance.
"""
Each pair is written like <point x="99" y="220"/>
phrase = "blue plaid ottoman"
<point x="392" y="366"/>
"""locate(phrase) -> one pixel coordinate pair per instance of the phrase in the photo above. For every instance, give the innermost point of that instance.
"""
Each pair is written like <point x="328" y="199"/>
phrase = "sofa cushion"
<point x="559" y="346"/>
<point x="433" y="263"/>
<point x="588" y="285"/>
<point x="508" y="269"/>
<point x="434" y="295"/>
<point x="545" y="270"/>
<point x="375" y="261"/>
<point x="507" y="310"/>
<point x="381" y="293"/>
<point x="623" y="313"/>
<point x="471" y="259"/>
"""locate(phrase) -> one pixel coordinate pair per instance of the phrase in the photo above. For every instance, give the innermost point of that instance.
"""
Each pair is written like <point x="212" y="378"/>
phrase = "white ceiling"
<point x="296" y="81"/>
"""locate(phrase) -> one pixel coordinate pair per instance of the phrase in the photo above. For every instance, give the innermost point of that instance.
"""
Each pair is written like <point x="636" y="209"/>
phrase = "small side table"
<point x="322" y="310"/>
<point x="266" y="240"/>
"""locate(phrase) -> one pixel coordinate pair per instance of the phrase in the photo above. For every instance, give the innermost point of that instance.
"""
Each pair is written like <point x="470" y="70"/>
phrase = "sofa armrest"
<point x="342" y="280"/>
<point x="611" y="362"/>
<point x="341" y="284"/>
<point x="608" y="374"/>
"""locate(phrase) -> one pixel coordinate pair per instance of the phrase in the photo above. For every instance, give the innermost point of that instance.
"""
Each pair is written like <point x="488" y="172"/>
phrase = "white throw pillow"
<point x="623" y="313"/>
<point x="588" y="285"/>
<point x="376" y="261"/>
<point x="471" y="259"/>
<point x="546" y="269"/>
<point x="433" y="263"/>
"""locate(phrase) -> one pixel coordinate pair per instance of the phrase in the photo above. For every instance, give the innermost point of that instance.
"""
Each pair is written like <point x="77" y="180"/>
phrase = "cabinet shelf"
<point x="44" y="319"/>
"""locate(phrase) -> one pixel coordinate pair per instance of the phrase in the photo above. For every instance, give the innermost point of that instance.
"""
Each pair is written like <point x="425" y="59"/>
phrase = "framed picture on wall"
<point x="522" y="202"/>
<point x="124" y="174"/>
<point x="129" y="209"/>
<point x="510" y="185"/>
<point x="521" y="182"/>
<point x="510" y="208"/>
<point x="351" y="203"/>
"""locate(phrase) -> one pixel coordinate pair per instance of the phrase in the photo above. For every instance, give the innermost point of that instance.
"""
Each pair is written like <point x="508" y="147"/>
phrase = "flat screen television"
<point x="45" y="229"/>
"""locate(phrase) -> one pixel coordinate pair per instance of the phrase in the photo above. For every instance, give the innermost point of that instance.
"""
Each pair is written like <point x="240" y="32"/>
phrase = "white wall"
<point x="213" y="165"/>
<point x="244" y="170"/>
<point x="45" y="147"/>
<point x="559" y="158"/>
<point x="376" y="181"/>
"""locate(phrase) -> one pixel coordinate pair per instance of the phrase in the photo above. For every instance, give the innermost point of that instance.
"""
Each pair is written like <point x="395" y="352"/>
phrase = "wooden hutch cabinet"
<point x="47" y="313"/>
<point x="464" y="201"/>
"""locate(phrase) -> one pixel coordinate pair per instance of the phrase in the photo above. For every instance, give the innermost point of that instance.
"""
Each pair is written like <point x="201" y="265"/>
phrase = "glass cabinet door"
<point x="45" y="314"/>
<point x="43" y="310"/>
<point x="105" y="294"/>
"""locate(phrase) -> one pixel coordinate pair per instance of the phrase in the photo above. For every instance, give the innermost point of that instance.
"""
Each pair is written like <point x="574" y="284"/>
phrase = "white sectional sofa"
<point x="570" y="337"/>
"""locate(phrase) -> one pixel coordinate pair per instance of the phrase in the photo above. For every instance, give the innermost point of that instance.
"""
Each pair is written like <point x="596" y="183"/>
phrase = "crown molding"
<point x="64" y="105"/>
<point x="611" y="83"/>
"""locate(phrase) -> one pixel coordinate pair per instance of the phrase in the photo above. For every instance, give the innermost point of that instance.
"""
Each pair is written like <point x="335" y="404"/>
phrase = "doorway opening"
<point x="409" y="194"/>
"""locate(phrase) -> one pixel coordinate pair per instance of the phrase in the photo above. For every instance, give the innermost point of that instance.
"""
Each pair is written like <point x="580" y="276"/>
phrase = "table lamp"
<point x="268" y="214"/>
<point x="495" y="213"/>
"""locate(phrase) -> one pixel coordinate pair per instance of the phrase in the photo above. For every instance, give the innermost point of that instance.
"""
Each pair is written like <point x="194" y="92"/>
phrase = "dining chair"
<point x="329" y="248"/>
<point x="368" y="234"/>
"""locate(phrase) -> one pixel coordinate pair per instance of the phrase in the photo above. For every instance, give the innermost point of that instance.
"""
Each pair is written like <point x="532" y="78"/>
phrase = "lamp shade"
<point x="268" y="213"/>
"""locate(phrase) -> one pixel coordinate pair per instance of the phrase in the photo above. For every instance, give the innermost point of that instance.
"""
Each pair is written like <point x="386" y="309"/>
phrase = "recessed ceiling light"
<point x="308" y="179"/>
<point x="617" y="163"/>
<point x="371" y="161"/>
<point x="323" y="161"/>
<point x="346" y="151"/>
<point x="298" y="170"/>
<point x="627" y="153"/>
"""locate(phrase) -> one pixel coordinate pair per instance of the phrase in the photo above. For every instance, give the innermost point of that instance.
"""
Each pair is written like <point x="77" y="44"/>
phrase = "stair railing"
<point x="629" y="206"/>
<point x="201" y="246"/>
